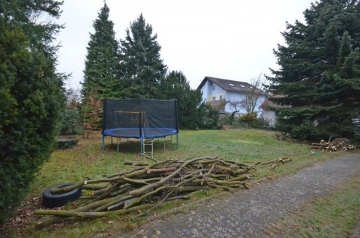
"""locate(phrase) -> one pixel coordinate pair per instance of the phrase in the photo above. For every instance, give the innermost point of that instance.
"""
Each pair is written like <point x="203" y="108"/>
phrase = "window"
<point x="213" y="87"/>
<point x="214" y="98"/>
<point x="220" y="97"/>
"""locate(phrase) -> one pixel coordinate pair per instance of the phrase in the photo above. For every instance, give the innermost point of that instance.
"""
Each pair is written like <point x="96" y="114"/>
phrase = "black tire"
<point x="57" y="200"/>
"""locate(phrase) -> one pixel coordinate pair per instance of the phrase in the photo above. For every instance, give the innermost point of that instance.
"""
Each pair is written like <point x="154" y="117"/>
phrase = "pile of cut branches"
<point x="148" y="185"/>
<point x="335" y="145"/>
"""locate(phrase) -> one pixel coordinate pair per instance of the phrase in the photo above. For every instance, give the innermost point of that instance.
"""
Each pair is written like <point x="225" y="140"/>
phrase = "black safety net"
<point x="139" y="118"/>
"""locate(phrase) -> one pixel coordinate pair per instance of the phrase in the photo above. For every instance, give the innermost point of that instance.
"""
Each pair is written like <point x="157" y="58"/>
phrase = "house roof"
<point x="228" y="85"/>
<point x="269" y="104"/>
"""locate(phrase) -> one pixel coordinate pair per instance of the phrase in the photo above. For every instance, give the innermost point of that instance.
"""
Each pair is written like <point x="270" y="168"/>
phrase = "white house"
<point x="216" y="92"/>
<point x="269" y="110"/>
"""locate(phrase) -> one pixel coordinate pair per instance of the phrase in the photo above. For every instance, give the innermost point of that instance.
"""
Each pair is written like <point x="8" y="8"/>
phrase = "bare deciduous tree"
<point x="72" y="98"/>
<point x="249" y="100"/>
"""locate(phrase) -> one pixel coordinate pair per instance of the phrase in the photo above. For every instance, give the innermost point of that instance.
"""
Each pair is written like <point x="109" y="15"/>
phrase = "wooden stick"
<point x="92" y="214"/>
<point x="162" y="170"/>
<point x="136" y="163"/>
<point x="162" y="181"/>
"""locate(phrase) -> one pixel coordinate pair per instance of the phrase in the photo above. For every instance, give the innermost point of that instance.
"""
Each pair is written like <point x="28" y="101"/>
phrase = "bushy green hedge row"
<point x="31" y="98"/>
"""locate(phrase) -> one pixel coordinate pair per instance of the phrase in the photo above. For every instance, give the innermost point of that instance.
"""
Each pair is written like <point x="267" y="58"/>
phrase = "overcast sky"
<point x="230" y="39"/>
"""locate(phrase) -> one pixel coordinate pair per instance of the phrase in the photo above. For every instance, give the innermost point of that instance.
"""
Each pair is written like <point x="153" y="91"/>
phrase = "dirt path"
<point x="247" y="212"/>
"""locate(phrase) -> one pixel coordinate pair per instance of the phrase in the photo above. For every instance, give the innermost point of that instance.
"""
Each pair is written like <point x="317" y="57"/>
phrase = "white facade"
<point x="213" y="92"/>
<point x="237" y="97"/>
<point x="269" y="115"/>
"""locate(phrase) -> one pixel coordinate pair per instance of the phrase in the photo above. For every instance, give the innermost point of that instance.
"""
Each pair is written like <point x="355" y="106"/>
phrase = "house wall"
<point x="236" y="96"/>
<point x="209" y="91"/>
<point x="270" y="116"/>
<point x="204" y="90"/>
<point x="213" y="91"/>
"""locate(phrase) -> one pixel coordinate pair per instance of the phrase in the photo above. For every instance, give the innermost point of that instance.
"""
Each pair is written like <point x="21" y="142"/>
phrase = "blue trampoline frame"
<point x="137" y="133"/>
<point x="142" y="134"/>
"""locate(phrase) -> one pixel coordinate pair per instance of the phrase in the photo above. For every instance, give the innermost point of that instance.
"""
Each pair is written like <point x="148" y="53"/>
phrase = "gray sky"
<point x="230" y="39"/>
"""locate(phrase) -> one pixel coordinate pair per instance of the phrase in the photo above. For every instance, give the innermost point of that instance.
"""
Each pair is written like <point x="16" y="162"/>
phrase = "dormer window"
<point x="232" y="85"/>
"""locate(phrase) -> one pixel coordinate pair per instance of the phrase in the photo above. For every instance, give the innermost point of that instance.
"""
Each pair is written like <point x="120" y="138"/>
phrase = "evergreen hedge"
<point x="32" y="99"/>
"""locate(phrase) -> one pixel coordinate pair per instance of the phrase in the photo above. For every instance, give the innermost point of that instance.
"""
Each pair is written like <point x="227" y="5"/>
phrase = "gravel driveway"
<point x="246" y="212"/>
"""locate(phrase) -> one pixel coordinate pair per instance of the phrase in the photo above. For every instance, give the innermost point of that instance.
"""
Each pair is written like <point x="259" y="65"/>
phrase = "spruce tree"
<point x="102" y="70"/>
<point x="192" y="113"/>
<point x="143" y="67"/>
<point x="32" y="97"/>
<point x="175" y="86"/>
<point x="319" y="72"/>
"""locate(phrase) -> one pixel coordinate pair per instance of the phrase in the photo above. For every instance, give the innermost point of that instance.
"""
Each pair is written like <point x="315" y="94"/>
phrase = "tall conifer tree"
<point x="175" y="86"/>
<point x="102" y="72"/>
<point x="143" y="67"/>
<point x="192" y="112"/>
<point x="319" y="72"/>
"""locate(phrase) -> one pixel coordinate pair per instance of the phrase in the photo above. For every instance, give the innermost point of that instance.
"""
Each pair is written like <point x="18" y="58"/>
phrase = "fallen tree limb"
<point x="146" y="185"/>
<point x="162" y="181"/>
<point x="136" y="163"/>
<point x="162" y="170"/>
<point x="92" y="214"/>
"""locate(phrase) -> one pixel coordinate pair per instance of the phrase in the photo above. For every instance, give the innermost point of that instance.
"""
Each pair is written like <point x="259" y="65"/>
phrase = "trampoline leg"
<point x="117" y="144"/>
<point x="142" y="149"/>
<point x="152" y="148"/>
<point x="164" y="142"/>
<point x="103" y="143"/>
<point x="177" y="141"/>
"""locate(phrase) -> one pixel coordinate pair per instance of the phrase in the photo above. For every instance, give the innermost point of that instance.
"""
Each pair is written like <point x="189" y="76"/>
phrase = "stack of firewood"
<point x="335" y="145"/>
<point x="148" y="185"/>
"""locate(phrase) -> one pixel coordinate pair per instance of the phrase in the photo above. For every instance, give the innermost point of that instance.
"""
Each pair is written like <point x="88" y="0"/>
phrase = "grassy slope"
<point x="88" y="160"/>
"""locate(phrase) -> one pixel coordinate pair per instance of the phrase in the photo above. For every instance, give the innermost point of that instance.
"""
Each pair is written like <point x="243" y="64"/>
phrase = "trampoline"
<point x="146" y="133"/>
<point x="139" y="118"/>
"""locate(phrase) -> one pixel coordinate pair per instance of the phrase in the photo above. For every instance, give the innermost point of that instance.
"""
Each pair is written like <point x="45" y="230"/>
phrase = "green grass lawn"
<point x="87" y="160"/>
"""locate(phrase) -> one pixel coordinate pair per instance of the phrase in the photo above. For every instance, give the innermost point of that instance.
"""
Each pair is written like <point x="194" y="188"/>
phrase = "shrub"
<point x="31" y="97"/>
<point x="250" y="118"/>
<point x="262" y="122"/>
<point x="208" y="117"/>
<point x="71" y="123"/>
